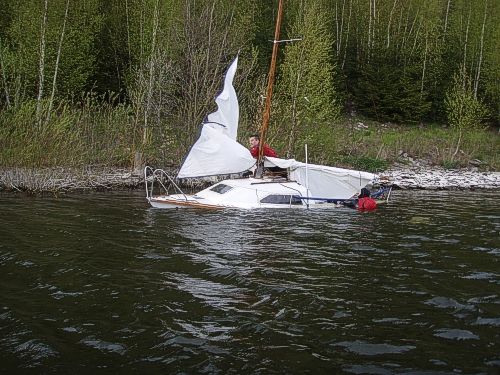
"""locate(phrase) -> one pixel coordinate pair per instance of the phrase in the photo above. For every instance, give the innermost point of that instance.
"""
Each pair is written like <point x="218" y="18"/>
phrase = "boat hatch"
<point x="221" y="188"/>
<point x="281" y="199"/>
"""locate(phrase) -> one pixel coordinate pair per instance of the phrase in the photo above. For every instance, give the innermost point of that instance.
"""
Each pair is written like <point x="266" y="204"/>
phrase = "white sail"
<point x="226" y="118"/>
<point x="324" y="181"/>
<point x="216" y="151"/>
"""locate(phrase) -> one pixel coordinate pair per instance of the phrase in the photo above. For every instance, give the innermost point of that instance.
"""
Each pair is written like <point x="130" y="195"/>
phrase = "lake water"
<point x="103" y="283"/>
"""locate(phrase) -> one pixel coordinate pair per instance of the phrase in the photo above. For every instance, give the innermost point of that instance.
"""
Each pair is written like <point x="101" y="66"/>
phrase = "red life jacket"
<point x="366" y="204"/>
<point x="268" y="151"/>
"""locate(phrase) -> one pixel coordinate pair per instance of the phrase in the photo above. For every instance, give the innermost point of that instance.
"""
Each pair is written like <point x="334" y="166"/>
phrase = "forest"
<point x="98" y="82"/>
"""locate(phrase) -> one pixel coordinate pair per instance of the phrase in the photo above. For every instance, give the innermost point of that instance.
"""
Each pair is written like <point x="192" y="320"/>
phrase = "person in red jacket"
<point x="365" y="202"/>
<point x="254" y="148"/>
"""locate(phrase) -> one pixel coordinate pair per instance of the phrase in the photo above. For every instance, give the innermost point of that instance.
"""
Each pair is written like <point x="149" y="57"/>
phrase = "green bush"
<point x="450" y="164"/>
<point x="464" y="110"/>
<point x="364" y="163"/>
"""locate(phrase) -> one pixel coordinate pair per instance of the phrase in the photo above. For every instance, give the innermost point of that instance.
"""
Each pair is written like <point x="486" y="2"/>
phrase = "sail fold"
<point x="216" y="151"/>
<point x="324" y="181"/>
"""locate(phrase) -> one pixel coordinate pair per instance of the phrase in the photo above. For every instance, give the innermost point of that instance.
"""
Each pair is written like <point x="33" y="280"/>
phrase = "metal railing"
<point x="156" y="175"/>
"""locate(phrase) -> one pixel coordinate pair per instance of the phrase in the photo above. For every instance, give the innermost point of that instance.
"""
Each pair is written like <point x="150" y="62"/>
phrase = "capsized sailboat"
<point x="217" y="152"/>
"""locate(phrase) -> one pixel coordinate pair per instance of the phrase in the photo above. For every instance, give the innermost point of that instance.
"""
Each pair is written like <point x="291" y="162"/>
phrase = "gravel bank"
<point x="98" y="178"/>
<point x="68" y="179"/>
<point x="434" y="178"/>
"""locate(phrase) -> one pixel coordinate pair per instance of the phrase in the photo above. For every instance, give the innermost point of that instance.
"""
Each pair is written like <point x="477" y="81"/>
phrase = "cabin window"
<point x="281" y="199"/>
<point x="221" y="188"/>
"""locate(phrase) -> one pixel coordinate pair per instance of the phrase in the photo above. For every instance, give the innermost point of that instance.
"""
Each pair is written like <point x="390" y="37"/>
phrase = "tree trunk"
<point x="369" y="33"/>
<point x="341" y="27"/>
<point x="405" y="31"/>
<point x="291" y="139"/>
<point x="416" y="39"/>
<point x="337" y="27"/>
<point x="476" y="81"/>
<point x="389" y="23"/>
<point x="152" y="63"/>
<point x="374" y="27"/>
<point x="347" y="34"/>
<point x="424" y="65"/>
<point x="398" y="32"/>
<point x="206" y="77"/>
<point x="464" y="70"/>
<point x="41" y="65"/>
<point x="4" y="78"/>
<point x="128" y="36"/>
<point x="446" y="17"/>
<point x="339" y="24"/>
<point x="51" y="101"/>
<point x="458" y="144"/>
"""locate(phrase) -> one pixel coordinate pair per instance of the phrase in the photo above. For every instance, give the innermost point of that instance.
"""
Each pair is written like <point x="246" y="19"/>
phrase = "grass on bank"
<point x="76" y="134"/>
<point x="92" y="133"/>
<point x="372" y="146"/>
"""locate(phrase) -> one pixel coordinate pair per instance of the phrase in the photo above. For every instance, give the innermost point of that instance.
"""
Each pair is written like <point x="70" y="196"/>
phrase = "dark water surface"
<point x="101" y="283"/>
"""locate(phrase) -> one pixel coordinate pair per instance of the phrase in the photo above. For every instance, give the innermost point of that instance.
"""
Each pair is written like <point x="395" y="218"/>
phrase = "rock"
<point x="439" y="178"/>
<point x="361" y="126"/>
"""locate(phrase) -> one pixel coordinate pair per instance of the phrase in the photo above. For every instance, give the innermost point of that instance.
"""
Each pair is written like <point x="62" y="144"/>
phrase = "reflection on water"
<point x="102" y="281"/>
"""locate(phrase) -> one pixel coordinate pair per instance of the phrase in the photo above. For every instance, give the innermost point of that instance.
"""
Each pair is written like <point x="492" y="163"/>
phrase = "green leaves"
<point x="464" y="111"/>
<point x="305" y="92"/>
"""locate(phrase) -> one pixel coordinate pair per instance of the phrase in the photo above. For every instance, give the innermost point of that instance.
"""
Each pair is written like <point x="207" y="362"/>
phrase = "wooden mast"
<point x="270" y="84"/>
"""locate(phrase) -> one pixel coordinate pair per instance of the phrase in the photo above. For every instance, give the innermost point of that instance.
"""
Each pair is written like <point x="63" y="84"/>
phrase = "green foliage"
<point x="364" y="163"/>
<point x="165" y="59"/>
<point x="464" y="111"/>
<point x="388" y="92"/>
<point x="450" y="164"/>
<point x="305" y="92"/>
<point x="90" y="131"/>
<point x="78" y="53"/>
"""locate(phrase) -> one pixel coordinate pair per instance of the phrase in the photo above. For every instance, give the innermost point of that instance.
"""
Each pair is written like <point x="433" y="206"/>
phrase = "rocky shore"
<point x="435" y="178"/>
<point x="98" y="179"/>
<point x="68" y="179"/>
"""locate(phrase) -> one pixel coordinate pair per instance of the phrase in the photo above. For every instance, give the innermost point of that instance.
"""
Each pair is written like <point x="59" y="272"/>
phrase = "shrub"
<point x="464" y="110"/>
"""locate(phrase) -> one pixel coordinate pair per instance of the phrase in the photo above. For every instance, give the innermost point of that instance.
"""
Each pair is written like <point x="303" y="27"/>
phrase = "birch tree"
<point x="41" y="64"/>
<point x="464" y="111"/>
<point x="56" y="68"/>
<point x="480" y="59"/>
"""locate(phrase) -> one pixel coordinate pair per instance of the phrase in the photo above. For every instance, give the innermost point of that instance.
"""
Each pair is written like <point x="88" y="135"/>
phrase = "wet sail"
<point x="216" y="152"/>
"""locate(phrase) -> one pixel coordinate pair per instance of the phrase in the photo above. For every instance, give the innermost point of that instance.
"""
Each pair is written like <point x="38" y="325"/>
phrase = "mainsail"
<point x="216" y="151"/>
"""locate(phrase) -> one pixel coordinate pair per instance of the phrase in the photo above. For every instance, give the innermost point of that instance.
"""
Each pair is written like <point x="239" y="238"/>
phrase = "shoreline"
<point x="58" y="180"/>
<point x="437" y="178"/>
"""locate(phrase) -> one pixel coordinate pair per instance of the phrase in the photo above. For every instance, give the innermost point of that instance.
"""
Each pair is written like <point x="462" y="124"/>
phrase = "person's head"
<point x="254" y="140"/>
<point x="364" y="193"/>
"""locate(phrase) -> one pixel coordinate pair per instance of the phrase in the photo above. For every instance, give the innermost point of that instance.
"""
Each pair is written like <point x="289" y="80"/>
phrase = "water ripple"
<point x="104" y="345"/>
<point x="411" y="288"/>
<point x="455" y="334"/>
<point x="365" y="348"/>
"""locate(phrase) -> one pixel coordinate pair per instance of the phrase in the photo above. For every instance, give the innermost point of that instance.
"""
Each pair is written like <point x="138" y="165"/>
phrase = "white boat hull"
<point x="165" y="202"/>
<point x="175" y="201"/>
<point x="247" y="193"/>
